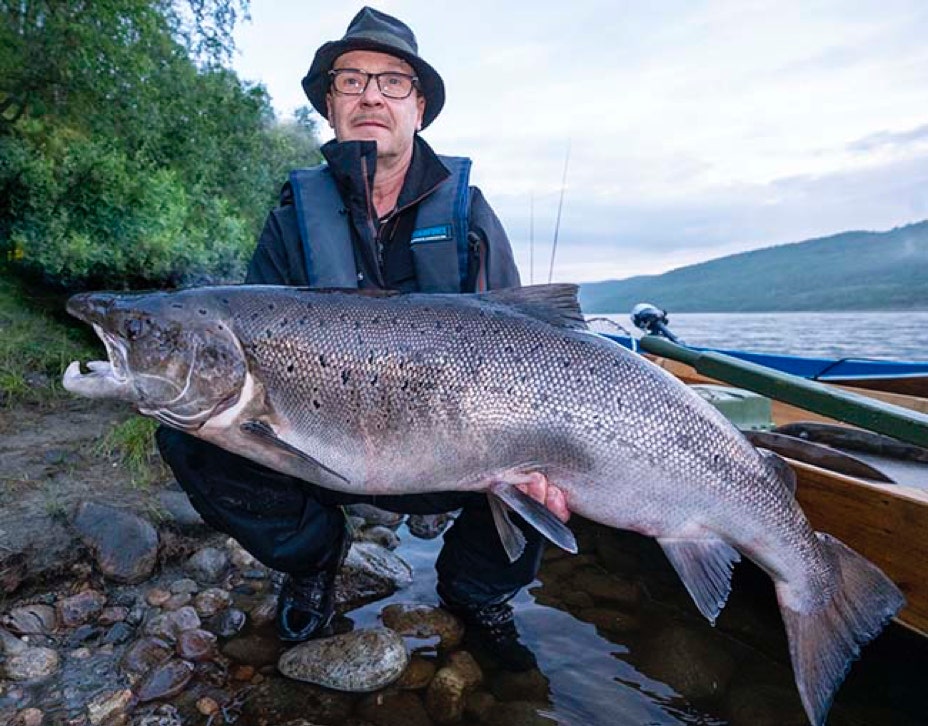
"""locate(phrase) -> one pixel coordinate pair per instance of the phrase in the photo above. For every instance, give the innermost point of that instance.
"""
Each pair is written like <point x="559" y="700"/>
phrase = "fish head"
<point x="172" y="355"/>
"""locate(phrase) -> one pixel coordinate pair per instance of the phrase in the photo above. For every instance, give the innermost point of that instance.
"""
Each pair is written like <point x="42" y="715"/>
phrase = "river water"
<point x="901" y="335"/>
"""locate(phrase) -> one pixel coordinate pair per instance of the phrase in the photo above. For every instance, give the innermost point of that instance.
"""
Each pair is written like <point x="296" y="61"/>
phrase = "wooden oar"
<point x="852" y="408"/>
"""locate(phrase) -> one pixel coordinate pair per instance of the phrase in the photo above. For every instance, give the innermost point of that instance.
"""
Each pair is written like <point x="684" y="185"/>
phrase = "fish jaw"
<point x="101" y="382"/>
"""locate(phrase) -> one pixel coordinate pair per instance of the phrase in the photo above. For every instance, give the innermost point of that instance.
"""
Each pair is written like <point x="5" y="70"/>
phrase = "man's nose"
<point x="372" y="95"/>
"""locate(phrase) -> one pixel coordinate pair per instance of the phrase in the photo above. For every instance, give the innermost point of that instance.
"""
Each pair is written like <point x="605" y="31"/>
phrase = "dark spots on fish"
<point x="322" y="360"/>
<point x="374" y="379"/>
<point x="458" y="328"/>
<point x="375" y="320"/>
<point x="202" y="311"/>
<point x="283" y="323"/>
<point x="591" y="370"/>
<point x="357" y="324"/>
<point x="509" y="349"/>
<point x="346" y="375"/>
<point x="268" y="333"/>
<point x="523" y="378"/>
<point x="290" y="368"/>
<point x="271" y="306"/>
<point x="566" y="363"/>
<point x="224" y="300"/>
<point x="316" y="404"/>
<point x="370" y="357"/>
<point x="404" y="385"/>
<point x="510" y="390"/>
<point x="254" y="316"/>
<point x="177" y="306"/>
<point x="302" y="321"/>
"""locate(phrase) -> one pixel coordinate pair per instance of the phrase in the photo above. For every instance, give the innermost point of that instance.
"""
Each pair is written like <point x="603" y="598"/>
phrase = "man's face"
<point x="391" y="122"/>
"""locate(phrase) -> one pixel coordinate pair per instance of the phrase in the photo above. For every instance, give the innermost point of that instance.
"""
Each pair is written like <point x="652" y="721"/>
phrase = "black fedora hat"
<point x="373" y="30"/>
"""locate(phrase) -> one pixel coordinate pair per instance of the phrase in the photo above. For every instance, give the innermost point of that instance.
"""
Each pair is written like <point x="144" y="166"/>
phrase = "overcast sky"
<point x="695" y="128"/>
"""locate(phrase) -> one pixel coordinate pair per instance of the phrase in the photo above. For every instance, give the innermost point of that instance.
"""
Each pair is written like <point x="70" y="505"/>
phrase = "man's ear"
<point x="420" y="106"/>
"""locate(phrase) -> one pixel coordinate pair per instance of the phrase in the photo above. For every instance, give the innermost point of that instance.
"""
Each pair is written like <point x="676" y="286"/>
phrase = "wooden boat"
<point x="905" y="377"/>
<point x="886" y="522"/>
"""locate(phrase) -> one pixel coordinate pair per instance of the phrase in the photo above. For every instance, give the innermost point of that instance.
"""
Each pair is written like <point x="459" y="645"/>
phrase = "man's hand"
<point x="541" y="490"/>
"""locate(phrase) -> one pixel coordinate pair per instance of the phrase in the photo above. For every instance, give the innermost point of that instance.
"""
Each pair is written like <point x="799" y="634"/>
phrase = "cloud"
<point x="882" y="139"/>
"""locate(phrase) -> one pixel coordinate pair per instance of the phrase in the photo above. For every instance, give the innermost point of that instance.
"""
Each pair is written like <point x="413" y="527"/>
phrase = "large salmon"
<point x="388" y="394"/>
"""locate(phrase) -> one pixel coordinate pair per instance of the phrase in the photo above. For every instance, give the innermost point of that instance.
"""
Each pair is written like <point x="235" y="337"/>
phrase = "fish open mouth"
<point x="106" y="378"/>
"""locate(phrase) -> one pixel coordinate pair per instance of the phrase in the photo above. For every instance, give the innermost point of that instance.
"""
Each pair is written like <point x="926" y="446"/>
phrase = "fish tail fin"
<point x="824" y="642"/>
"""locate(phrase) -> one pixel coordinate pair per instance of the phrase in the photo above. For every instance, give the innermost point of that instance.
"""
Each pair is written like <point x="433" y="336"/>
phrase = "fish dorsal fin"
<point x="705" y="566"/>
<point x="555" y="304"/>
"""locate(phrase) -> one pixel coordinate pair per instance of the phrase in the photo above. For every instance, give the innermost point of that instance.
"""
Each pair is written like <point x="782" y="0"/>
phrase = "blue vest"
<point x="439" y="241"/>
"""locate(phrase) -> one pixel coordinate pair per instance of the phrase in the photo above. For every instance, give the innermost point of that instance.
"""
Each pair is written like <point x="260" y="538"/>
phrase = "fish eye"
<point x="133" y="328"/>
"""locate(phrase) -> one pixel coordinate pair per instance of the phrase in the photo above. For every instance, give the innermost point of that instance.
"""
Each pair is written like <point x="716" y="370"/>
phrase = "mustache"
<point x="364" y="118"/>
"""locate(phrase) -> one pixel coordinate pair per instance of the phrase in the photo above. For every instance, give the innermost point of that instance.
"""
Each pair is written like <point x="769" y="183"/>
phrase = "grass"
<point x="132" y="445"/>
<point x="35" y="348"/>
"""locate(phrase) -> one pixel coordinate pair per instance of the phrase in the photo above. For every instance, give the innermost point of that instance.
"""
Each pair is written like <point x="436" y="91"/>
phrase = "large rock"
<point x="370" y="573"/>
<point x="424" y="621"/>
<point x="358" y="662"/>
<point x="31" y="619"/>
<point x="124" y="545"/>
<point x="165" y="680"/>
<point x="30" y="663"/>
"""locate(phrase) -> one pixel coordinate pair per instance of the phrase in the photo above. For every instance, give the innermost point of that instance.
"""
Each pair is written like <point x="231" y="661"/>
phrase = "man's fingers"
<point x="544" y="492"/>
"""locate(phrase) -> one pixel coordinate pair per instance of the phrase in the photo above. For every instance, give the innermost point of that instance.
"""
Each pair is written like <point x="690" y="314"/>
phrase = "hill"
<point x="847" y="271"/>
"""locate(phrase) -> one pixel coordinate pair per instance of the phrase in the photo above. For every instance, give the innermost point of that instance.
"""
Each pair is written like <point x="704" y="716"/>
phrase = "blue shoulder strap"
<point x="439" y="241"/>
<point x="327" y="251"/>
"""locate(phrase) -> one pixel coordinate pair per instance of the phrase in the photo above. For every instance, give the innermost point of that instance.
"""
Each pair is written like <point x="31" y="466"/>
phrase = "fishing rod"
<point x="560" y="205"/>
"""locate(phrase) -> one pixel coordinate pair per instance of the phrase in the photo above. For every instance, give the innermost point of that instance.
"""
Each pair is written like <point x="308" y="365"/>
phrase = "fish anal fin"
<point x="317" y="472"/>
<point x="511" y="536"/>
<point x="705" y="566"/>
<point x="536" y="514"/>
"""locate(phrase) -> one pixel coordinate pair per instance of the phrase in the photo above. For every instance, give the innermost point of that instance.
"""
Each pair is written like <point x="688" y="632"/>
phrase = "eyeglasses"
<point x="352" y="82"/>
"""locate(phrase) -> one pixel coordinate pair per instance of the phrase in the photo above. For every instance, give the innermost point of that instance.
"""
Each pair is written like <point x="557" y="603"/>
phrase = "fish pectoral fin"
<point x="511" y="536"/>
<point x="536" y="514"/>
<point x="263" y="431"/>
<point x="705" y="566"/>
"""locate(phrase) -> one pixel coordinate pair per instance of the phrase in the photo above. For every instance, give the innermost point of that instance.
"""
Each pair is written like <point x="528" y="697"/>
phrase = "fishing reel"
<point x="651" y="319"/>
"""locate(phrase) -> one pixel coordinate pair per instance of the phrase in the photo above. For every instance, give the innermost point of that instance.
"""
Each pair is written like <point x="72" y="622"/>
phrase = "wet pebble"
<point x="359" y="661"/>
<point x="171" y="624"/>
<point x="375" y="515"/>
<point x="30" y="663"/>
<point x="109" y="705"/>
<point x="208" y="564"/>
<point x="417" y="675"/>
<point x="446" y="694"/>
<point x="394" y="708"/>
<point x="378" y="534"/>
<point x="125" y="546"/>
<point x="603" y="586"/>
<point x="370" y="573"/>
<point x="184" y="585"/>
<point x="31" y="619"/>
<point x="83" y="634"/>
<point x="479" y="704"/>
<point x="428" y="526"/>
<point x="253" y="649"/>
<point x="207" y="706"/>
<point x="157" y="596"/>
<point x="119" y="633"/>
<point x="239" y="556"/>
<point x="176" y="602"/>
<point x="28" y="717"/>
<point x="113" y="614"/>
<point x="165" y="680"/>
<point x="163" y="715"/>
<point x="264" y="611"/>
<point x="144" y="654"/>
<point x="178" y="506"/>
<point x="81" y="608"/>
<point x="424" y="621"/>
<point x="280" y="700"/>
<point x="211" y="601"/>
<point x="228" y="623"/>
<point x="196" y="645"/>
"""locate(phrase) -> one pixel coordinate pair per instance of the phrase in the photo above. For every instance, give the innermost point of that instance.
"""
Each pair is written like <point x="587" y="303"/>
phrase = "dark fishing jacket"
<point x="396" y="252"/>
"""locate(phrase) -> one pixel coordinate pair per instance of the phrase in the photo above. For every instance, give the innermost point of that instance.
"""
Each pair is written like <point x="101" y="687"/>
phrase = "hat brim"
<point x="316" y="81"/>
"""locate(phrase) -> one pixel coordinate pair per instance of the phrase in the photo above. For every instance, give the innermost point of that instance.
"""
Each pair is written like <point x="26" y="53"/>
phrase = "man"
<point x="384" y="212"/>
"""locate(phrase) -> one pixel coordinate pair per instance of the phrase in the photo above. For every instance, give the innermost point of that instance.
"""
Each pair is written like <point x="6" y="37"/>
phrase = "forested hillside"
<point x="849" y="271"/>
<point x="130" y="154"/>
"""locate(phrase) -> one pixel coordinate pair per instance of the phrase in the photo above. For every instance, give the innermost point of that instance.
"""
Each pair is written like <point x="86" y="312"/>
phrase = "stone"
<point x="164" y="715"/>
<point x="13" y="569"/>
<point x="358" y="662"/>
<point x="603" y="586"/>
<point x="28" y="619"/>
<point x="464" y="664"/>
<point x="375" y="515"/>
<point x="207" y="706"/>
<point x="119" y="633"/>
<point x="211" y="601"/>
<point x="157" y="596"/>
<point x="196" y="645"/>
<point x="108" y="705"/>
<point x="370" y="572"/>
<point x="113" y="614"/>
<point x="28" y="717"/>
<point x="614" y="622"/>
<point x="243" y="673"/>
<point x="228" y="623"/>
<point x="144" y="654"/>
<point x="182" y="512"/>
<point x="169" y="625"/>
<point x="520" y="713"/>
<point x="81" y="608"/>
<point x="184" y="585"/>
<point x="176" y="602"/>
<point x="378" y="534"/>
<point x="253" y="649"/>
<point x="278" y="700"/>
<point x="428" y="526"/>
<point x="124" y="545"/>
<point x="478" y="705"/>
<point x="165" y="680"/>
<point x="11" y="644"/>
<point x="83" y="634"/>
<point x="394" y="708"/>
<point x="264" y="611"/>
<point x="418" y="674"/>
<point x="208" y="564"/>
<point x="239" y="556"/>
<point x="444" y="699"/>
<point x="31" y="663"/>
<point x="424" y="621"/>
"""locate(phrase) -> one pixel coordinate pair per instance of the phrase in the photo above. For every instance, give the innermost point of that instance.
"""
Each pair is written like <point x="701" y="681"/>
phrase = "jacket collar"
<point x="349" y="159"/>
